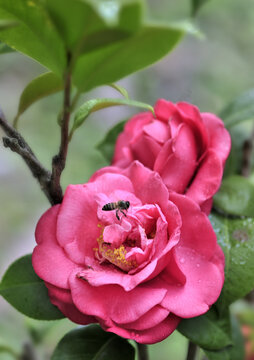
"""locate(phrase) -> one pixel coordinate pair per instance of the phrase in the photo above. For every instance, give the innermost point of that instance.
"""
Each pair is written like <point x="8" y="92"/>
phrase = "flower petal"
<point x="62" y="299"/>
<point x="112" y="301"/>
<point x="152" y="335"/>
<point x="204" y="281"/>
<point x="49" y="260"/>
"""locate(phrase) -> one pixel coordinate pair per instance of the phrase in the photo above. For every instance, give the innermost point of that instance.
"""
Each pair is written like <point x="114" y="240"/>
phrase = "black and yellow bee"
<point x="120" y="205"/>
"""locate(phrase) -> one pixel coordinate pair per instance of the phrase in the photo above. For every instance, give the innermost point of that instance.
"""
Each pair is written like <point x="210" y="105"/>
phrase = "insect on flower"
<point x="120" y="205"/>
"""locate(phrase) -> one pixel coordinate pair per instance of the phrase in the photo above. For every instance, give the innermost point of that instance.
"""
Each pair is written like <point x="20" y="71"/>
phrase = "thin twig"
<point x="17" y="143"/>
<point x="142" y="352"/>
<point x="191" y="354"/>
<point x="59" y="160"/>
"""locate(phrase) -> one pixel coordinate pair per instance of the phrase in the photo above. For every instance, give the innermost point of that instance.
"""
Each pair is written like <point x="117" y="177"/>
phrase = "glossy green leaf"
<point x="239" y="110"/>
<point x="87" y="25"/>
<point x="36" y="35"/>
<point x="113" y="62"/>
<point x="207" y="331"/>
<point x="236" y="237"/>
<point x="97" y="104"/>
<point x="120" y="89"/>
<point x="44" y="85"/>
<point x="107" y="145"/>
<point x="92" y="343"/>
<point x="235" y="197"/>
<point x="196" y="5"/>
<point x="24" y="290"/>
<point x="234" y="352"/>
<point x="4" y="49"/>
<point x="6" y="24"/>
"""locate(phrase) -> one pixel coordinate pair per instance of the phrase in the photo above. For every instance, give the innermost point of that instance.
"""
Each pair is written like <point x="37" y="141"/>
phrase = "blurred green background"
<point x="208" y="73"/>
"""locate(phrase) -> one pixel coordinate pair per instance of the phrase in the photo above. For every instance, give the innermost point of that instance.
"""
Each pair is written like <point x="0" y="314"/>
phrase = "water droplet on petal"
<point x="198" y="265"/>
<point x="182" y="260"/>
<point x="199" y="281"/>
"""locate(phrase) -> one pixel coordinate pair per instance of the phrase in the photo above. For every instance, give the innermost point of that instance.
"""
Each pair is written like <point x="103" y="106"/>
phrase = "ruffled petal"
<point x="207" y="180"/>
<point x="49" y="260"/>
<point x="219" y="138"/>
<point x="62" y="299"/>
<point x="196" y="232"/>
<point x="112" y="301"/>
<point x="149" y="336"/>
<point x="177" y="161"/>
<point x="145" y="149"/>
<point x="204" y="281"/>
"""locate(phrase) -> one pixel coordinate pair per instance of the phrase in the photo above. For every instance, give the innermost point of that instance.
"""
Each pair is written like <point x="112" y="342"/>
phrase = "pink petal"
<point x="158" y="130"/>
<point x="207" y="180"/>
<point x="147" y="184"/>
<point x="46" y="222"/>
<point x="164" y="110"/>
<point x="219" y="138"/>
<point x="112" y="301"/>
<point x="145" y="149"/>
<point x="152" y="318"/>
<point x="177" y="161"/>
<point x="62" y="299"/>
<point x="196" y="232"/>
<point x="152" y="335"/>
<point x="49" y="260"/>
<point x="204" y="281"/>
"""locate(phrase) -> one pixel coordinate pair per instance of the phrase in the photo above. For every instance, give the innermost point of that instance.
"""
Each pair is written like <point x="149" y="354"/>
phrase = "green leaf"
<point x="234" y="352"/>
<point x="97" y="104"/>
<point x="196" y="5"/>
<point x="87" y="25"/>
<point x="239" y="110"/>
<point x="4" y="49"/>
<point x="107" y="145"/>
<point x="24" y="290"/>
<point x="207" y="331"/>
<point x="92" y="343"/>
<point x="6" y="24"/>
<point x="236" y="237"/>
<point x="120" y="89"/>
<point x="44" y="85"/>
<point x="235" y="197"/>
<point x="36" y="35"/>
<point x="115" y="61"/>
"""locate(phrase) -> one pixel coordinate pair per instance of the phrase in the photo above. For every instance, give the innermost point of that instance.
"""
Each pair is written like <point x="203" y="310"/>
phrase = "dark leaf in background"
<point x="107" y="145"/>
<point x="24" y="290"/>
<point x="92" y="343"/>
<point x="233" y="352"/>
<point x="207" y="331"/>
<point x="239" y="110"/>
<point x="235" y="197"/>
<point x="196" y="5"/>
<point x="236" y="237"/>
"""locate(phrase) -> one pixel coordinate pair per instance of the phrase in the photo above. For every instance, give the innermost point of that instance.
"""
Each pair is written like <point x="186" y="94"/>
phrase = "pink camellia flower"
<point x="137" y="275"/>
<point x="187" y="148"/>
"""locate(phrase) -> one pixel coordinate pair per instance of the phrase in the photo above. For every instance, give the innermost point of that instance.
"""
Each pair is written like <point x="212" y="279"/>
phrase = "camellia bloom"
<point x="187" y="148"/>
<point x="136" y="276"/>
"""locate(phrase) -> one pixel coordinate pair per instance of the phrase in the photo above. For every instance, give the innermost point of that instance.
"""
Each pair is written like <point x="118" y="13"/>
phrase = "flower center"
<point x="115" y="255"/>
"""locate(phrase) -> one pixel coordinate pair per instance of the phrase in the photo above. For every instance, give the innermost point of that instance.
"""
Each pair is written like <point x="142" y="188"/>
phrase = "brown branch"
<point x="59" y="160"/>
<point x="192" y="349"/>
<point x="142" y="352"/>
<point x="17" y="143"/>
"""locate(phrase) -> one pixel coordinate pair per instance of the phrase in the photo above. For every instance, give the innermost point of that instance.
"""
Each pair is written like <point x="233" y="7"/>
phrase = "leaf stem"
<point x="59" y="160"/>
<point x="142" y="352"/>
<point x="191" y="354"/>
